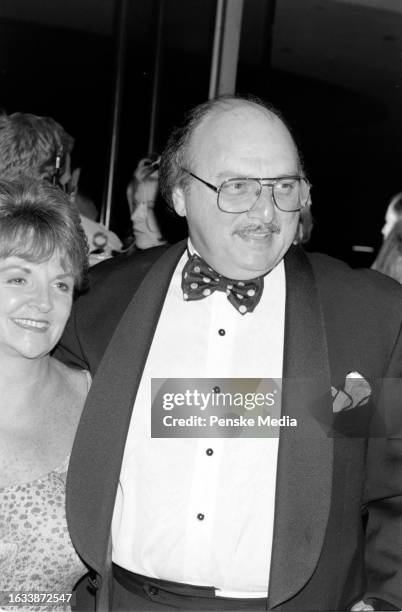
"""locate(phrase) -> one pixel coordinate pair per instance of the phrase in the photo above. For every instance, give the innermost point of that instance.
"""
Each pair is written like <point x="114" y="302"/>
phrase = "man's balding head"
<point x="226" y="141"/>
<point x="178" y="151"/>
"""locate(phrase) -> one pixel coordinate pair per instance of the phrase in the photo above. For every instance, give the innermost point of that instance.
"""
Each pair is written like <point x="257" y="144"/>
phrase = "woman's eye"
<point x="65" y="287"/>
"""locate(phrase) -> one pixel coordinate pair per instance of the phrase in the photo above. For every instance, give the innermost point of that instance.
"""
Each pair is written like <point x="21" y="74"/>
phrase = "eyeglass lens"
<point x="241" y="194"/>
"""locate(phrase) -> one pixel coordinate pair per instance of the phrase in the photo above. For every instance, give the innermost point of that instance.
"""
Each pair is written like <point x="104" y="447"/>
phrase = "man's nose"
<point x="41" y="298"/>
<point x="264" y="207"/>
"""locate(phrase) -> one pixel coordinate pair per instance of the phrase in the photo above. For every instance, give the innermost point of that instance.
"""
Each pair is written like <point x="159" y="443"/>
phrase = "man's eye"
<point x="236" y="187"/>
<point x="16" y="281"/>
<point x="286" y="186"/>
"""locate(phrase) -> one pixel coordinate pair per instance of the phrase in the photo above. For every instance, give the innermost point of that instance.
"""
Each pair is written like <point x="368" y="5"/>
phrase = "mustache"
<point x="269" y="228"/>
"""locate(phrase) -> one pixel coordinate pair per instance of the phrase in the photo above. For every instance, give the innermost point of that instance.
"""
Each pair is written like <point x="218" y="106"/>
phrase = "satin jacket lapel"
<point x="99" y="445"/>
<point x="305" y="452"/>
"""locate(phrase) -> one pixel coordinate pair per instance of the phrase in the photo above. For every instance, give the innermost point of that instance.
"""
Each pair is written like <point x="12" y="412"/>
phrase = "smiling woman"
<point x="43" y="261"/>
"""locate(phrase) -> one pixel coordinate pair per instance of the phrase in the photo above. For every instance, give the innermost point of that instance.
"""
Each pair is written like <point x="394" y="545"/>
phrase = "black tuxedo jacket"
<point x="337" y="320"/>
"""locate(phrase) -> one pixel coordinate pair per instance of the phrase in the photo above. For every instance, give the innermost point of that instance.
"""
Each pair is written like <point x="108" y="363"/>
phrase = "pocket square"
<point x="356" y="392"/>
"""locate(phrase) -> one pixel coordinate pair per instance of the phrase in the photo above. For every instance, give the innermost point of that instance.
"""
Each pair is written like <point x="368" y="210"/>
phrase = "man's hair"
<point x="176" y="154"/>
<point x="37" y="221"/>
<point x="304" y="226"/>
<point x="29" y="146"/>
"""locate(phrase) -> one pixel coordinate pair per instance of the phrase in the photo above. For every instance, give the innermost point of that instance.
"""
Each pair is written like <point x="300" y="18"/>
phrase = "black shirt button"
<point x="221" y="332"/>
<point x="200" y="516"/>
<point x="209" y="452"/>
<point x="216" y="389"/>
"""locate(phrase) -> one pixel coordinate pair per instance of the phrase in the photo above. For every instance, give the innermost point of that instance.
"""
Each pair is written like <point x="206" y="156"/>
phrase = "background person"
<point x="43" y="262"/>
<point x="142" y="192"/>
<point x="389" y="258"/>
<point x="393" y="214"/>
<point x="237" y="523"/>
<point x="36" y="147"/>
<point x="40" y="148"/>
<point x="102" y="242"/>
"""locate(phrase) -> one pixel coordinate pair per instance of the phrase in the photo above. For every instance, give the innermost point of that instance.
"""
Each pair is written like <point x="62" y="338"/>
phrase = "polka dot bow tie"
<point x="199" y="281"/>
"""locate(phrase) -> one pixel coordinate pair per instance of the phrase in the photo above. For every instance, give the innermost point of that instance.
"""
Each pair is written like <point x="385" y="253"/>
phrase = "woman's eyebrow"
<point x="15" y="267"/>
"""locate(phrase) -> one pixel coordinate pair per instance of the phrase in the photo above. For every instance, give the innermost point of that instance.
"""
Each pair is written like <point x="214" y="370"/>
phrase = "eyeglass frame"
<point x="217" y="190"/>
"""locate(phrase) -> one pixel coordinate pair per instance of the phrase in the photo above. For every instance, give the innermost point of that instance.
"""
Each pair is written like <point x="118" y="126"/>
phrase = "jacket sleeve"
<point x="384" y="492"/>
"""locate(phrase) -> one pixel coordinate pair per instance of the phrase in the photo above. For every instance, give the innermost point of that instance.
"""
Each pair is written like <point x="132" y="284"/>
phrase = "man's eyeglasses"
<point x="238" y="195"/>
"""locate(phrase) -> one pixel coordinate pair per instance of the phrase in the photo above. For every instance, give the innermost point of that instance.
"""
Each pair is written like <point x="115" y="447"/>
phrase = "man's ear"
<point x="179" y="201"/>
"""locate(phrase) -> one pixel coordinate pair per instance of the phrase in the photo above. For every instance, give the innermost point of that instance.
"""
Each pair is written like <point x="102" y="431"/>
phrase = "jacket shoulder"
<point x="362" y="311"/>
<point x="333" y="275"/>
<point x="124" y="267"/>
<point x="97" y="312"/>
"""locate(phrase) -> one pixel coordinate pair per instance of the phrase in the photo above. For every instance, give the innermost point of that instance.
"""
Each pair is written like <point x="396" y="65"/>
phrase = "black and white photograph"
<point x="200" y="305"/>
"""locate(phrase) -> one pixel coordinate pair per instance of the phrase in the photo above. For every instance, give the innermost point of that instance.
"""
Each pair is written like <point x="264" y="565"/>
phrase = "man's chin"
<point x="244" y="263"/>
<point x="256" y="261"/>
<point x="248" y="269"/>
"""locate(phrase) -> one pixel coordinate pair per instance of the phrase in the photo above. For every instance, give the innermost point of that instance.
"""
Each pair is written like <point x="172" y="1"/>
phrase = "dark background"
<point x="334" y="67"/>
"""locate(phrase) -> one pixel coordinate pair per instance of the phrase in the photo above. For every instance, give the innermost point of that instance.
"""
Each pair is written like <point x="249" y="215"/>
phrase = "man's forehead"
<point x="245" y="129"/>
<point x="235" y="113"/>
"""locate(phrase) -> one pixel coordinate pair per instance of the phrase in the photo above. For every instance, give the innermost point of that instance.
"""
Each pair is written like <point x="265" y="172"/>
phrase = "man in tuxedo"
<point x="309" y="519"/>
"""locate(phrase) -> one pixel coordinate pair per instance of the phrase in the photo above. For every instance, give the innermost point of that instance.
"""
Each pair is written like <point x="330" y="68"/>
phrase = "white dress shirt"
<point x="183" y="514"/>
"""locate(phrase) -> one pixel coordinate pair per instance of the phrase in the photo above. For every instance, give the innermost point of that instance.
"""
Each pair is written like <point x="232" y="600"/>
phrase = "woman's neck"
<point x="23" y="372"/>
<point x="22" y="383"/>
